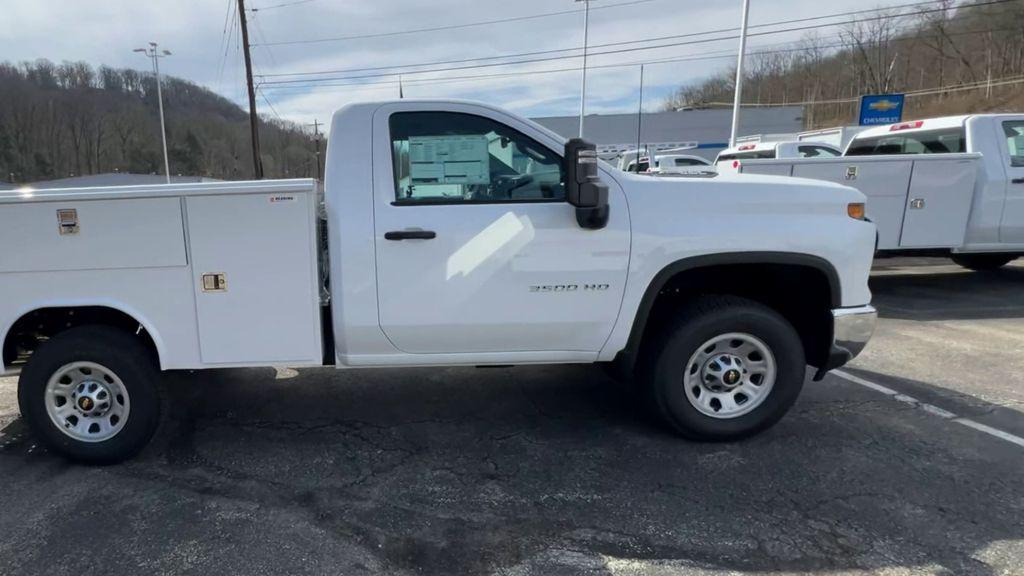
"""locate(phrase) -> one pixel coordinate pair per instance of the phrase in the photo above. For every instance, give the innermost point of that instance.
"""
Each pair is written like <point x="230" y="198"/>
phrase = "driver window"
<point x="1015" y="141"/>
<point x="448" y="157"/>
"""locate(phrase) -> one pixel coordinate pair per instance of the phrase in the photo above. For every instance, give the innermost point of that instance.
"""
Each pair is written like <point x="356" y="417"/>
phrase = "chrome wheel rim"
<point x="730" y="375"/>
<point x="87" y="402"/>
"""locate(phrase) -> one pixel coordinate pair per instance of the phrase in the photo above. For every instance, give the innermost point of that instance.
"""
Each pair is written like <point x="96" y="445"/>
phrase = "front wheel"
<point x="726" y="368"/>
<point x="982" y="262"/>
<point x="91" y="393"/>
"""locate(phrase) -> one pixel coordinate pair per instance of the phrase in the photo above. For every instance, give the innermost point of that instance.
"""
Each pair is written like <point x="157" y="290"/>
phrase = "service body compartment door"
<point x="939" y="203"/>
<point x="884" y="183"/>
<point x="255" y="276"/>
<point x="96" y="235"/>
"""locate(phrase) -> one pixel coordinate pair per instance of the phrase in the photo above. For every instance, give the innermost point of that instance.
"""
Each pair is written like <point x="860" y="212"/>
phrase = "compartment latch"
<point x="216" y="282"/>
<point x="67" y="221"/>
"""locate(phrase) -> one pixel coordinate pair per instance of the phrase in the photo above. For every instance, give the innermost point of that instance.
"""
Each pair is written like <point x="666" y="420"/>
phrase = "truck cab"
<point x="447" y="233"/>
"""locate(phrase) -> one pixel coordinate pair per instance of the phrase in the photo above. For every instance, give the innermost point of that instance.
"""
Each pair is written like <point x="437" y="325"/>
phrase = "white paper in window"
<point x="449" y="159"/>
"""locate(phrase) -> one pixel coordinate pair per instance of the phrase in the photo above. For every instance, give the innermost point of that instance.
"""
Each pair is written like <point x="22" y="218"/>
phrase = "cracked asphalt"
<point x="550" y="471"/>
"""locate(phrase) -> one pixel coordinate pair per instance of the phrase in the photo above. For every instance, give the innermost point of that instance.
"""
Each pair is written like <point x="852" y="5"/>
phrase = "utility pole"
<point x="739" y="75"/>
<point x="583" y="84"/>
<point x="316" y="135"/>
<point x="154" y="54"/>
<point x="253" y="118"/>
<point x="639" y="123"/>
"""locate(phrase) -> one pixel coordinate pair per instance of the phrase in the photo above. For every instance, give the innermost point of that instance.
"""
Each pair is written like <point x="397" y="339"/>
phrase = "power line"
<point x="393" y="70"/>
<point x="259" y="33"/>
<point x="225" y="46"/>
<point x="282" y="5"/>
<point x="727" y="54"/>
<point x="607" y="45"/>
<point x="557" y="50"/>
<point x="267" y="100"/>
<point x="453" y="26"/>
<point x="910" y="94"/>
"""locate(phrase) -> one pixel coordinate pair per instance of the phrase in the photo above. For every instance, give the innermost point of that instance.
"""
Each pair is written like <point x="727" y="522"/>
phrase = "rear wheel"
<point x="982" y="262"/>
<point x="91" y="394"/>
<point x="726" y="368"/>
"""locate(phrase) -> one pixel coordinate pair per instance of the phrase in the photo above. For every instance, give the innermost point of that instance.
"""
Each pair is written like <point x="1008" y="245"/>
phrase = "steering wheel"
<point x="505" y="184"/>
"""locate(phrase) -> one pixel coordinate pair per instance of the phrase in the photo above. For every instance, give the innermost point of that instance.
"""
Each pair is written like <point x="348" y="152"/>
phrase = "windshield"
<point x="949" y="141"/>
<point x="752" y="155"/>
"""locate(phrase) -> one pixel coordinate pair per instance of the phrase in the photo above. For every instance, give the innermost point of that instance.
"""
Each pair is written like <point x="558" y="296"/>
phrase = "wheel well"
<point x="38" y="326"/>
<point x="803" y="294"/>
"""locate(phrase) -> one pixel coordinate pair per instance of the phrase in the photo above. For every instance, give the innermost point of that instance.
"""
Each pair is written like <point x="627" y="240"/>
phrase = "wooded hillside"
<point x="70" y="120"/>
<point x="948" y="57"/>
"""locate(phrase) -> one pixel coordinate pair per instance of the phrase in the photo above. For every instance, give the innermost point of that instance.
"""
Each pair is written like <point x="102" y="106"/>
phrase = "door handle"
<point x="410" y="235"/>
<point x="1018" y="180"/>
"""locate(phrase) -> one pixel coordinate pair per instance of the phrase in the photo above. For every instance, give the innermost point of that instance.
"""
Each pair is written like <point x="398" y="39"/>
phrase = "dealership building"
<point x="706" y="132"/>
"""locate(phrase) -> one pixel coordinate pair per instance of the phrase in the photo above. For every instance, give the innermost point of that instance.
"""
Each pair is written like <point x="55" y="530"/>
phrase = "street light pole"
<point x="155" y="54"/>
<point x="739" y="75"/>
<point x="583" y="85"/>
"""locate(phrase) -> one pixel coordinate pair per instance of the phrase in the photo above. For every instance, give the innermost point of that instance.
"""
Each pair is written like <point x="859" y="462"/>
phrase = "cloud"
<point x="105" y="33"/>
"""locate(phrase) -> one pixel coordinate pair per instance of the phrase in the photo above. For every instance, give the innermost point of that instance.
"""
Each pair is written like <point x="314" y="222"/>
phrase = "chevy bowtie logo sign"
<point x="884" y="105"/>
<point x="881" y="109"/>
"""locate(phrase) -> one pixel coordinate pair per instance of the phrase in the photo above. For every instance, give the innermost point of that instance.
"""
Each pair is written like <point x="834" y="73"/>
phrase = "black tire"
<point x="983" y="262"/>
<point x="124" y="355"/>
<point x="664" y="364"/>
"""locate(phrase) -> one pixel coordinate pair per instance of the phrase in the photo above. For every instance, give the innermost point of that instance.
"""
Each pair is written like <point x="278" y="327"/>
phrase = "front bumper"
<point x="851" y="330"/>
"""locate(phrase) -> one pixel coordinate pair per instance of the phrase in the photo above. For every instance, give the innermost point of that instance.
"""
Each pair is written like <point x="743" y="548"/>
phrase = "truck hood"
<point x="673" y="219"/>
<point x="749" y="191"/>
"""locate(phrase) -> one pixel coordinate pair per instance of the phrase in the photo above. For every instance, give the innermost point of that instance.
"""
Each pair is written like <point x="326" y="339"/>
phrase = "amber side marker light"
<point x="855" y="210"/>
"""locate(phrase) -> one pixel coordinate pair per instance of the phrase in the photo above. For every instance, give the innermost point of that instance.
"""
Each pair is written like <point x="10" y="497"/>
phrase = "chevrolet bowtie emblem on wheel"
<point x="85" y="403"/>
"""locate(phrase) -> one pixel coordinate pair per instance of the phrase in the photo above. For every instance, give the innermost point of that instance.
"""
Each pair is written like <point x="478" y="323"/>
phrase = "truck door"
<point x="1011" y="230"/>
<point x="477" y="250"/>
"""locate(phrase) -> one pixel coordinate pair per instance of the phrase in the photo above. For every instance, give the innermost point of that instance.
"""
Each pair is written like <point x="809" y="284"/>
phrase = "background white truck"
<point x="943" y="186"/>
<point x="448" y="233"/>
<point x="772" y="150"/>
<point x="668" y="164"/>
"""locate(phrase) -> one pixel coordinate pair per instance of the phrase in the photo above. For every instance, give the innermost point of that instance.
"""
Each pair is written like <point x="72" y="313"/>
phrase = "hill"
<point x="71" y="120"/>
<point x="948" y="57"/>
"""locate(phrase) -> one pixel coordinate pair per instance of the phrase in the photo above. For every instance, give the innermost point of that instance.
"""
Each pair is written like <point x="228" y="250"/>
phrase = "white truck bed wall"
<point x="143" y="250"/>
<point x="920" y="201"/>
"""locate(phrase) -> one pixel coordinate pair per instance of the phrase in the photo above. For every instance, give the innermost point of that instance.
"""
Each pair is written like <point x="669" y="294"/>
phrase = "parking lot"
<point x="908" y="462"/>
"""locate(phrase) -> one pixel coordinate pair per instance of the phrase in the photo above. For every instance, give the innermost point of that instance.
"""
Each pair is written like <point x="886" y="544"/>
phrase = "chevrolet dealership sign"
<point x="881" y="109"/>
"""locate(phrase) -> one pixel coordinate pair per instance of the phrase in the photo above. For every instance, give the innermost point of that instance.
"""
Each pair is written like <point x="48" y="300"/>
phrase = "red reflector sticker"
<point x="736" y="164"/>
<point x="906" y="126"/>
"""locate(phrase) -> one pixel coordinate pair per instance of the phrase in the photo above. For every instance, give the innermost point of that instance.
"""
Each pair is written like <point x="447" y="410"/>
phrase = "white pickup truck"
<point x="448" y="233"/>
<point x="952" y="186"/>
<point x="730" y="158"/>
<point x="669" y="164"/>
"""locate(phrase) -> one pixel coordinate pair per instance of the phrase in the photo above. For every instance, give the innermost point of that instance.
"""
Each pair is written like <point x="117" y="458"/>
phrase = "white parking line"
<point x="931" y="409"/>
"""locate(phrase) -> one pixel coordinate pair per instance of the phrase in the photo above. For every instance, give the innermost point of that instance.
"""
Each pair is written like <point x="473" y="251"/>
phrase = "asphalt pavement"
<point x="550" y="470"/>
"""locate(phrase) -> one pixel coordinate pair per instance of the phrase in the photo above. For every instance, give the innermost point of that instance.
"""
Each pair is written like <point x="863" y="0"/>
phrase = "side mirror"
<point x="583" y="188"/>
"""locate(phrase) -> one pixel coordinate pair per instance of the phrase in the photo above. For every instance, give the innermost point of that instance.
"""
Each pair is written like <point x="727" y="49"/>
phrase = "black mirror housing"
<point x="583" y="187"/>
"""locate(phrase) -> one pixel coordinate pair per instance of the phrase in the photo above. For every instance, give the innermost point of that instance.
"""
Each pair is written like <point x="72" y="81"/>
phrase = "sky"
<point x="291" y="37"/>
